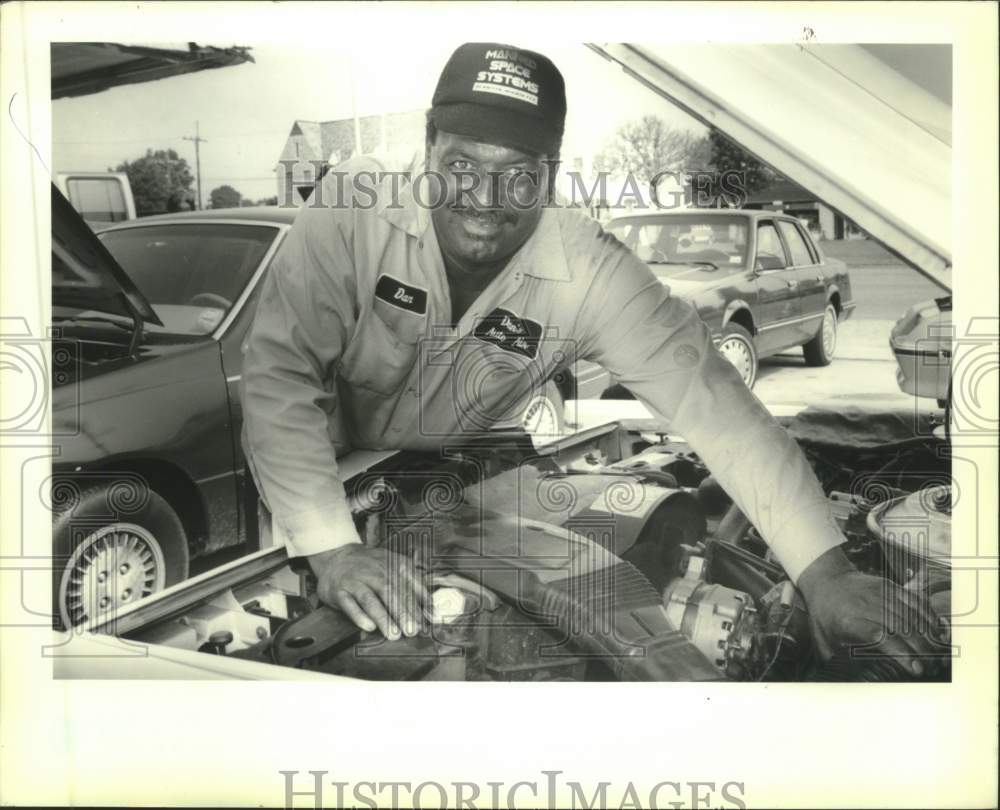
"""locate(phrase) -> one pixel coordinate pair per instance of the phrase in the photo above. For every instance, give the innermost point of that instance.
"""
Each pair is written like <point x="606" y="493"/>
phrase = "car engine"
<point x="620" y="560"/>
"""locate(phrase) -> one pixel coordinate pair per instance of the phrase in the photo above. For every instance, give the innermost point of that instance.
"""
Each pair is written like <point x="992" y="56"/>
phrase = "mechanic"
<point x="382" y="319"/>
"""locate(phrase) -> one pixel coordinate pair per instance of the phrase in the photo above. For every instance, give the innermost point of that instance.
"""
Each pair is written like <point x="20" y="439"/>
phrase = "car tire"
<point x="617" y="391"/>
<point x="543" y="415"/>
<point x="738" y="348"/>
<point x="147" y="549"/>
<point x="820" y="350"/>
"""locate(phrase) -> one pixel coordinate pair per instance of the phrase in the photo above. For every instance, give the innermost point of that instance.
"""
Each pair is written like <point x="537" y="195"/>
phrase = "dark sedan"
<point x="146" y="365"/>
<point x="757" y="278"/>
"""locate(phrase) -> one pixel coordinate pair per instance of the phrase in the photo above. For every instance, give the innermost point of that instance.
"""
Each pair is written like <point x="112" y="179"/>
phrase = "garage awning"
<point x="81" y="68"/>
<point x="835" y="119"/>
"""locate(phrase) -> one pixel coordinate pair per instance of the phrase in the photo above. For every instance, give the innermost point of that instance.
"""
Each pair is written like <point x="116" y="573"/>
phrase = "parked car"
<point x="145" y="372"/>
<point x="151" y="314"/>
<point x="757" y="278"/>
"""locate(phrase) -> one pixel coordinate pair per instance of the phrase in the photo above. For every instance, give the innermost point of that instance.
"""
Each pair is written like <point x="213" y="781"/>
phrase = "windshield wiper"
<point x="95" y="319"/>
<point x="135" y="327"/>
<point x="713" y="265"/>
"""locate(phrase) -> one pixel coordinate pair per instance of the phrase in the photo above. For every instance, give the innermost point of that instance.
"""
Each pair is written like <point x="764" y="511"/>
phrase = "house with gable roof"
<point x="394" y="138"/>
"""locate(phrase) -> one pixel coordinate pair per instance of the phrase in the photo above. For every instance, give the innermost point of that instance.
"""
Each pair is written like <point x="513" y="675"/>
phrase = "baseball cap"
<point x="500" y="94"/>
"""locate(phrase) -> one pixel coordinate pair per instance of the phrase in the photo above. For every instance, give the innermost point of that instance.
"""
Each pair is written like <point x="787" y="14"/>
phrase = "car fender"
<point x="735" y="306"/>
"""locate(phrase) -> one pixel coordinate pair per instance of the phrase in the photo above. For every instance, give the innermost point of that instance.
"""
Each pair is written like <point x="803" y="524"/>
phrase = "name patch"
<point x="400" y="295"/>
<point x="513" y="334"/>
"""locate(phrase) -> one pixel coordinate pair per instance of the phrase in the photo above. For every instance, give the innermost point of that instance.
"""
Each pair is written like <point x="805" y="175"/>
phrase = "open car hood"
<point x="84" y="274"/>
<point x="834" y="119"/>
<point x="81" y="68"/>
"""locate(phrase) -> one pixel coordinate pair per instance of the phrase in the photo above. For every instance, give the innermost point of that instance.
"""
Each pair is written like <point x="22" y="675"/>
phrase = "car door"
<point x="778" y="308"/>
<point x="810" y="277"/>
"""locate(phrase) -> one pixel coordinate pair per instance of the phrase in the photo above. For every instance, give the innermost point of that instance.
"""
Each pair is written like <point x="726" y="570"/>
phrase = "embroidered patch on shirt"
<point x="400" y="295"/>
<point x="513" y="334"/>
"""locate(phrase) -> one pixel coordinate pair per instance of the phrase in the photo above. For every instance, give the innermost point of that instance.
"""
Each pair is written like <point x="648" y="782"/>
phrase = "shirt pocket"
<point x="382" y="351"/>
<point x="492" y="384"/>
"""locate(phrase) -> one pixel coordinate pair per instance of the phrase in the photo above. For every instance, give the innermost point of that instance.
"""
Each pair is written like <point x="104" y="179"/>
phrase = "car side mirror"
<point x="766" y="263"/>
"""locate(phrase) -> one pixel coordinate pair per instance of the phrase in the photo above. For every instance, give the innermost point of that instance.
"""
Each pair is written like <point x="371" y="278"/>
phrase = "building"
<point x="393" y="137"/>
<point x="790" y="198"/>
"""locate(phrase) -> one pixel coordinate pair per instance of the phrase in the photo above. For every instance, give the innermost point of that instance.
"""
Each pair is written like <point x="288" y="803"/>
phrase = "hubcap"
<point x="113" y="567"/>
<point x="829" y="332"/>
<point x="540" y="418"/>
<point x="736" y="351"/>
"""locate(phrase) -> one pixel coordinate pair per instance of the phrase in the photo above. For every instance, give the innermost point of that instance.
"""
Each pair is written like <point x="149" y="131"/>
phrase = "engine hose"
<point x="733" y="526"/>
<point x="732" y="572"/>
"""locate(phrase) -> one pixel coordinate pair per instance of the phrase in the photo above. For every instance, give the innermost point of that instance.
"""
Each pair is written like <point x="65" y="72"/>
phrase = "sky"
<point x="245" y="112"/>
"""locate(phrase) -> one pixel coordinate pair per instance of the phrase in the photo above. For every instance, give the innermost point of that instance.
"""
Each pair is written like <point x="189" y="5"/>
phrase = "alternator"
<point x="719" y="621"/>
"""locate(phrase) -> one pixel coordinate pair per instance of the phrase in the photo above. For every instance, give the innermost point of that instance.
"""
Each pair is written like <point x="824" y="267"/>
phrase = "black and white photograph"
<point x="465" y="383"/>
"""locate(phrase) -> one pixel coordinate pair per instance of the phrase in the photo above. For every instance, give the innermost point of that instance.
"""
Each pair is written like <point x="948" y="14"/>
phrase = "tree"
<point x="161" y="181"/>
<point x="225" y="197"/>
<point x="728" y="156"/>
<point x="268" y="200"/>
<point x="649" y="145"/>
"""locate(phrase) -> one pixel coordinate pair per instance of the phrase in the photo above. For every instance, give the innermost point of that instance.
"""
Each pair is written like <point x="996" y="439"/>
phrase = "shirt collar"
<point x="542" y="256"/>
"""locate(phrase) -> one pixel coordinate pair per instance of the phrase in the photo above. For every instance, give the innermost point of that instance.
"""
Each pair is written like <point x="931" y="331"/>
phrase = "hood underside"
<point x="843" y="124"/>
<point x="84" y="274"/>
<point x="81" y="68"/>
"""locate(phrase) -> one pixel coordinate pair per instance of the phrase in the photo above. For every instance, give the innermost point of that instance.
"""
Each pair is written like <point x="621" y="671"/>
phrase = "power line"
<point x="270" y="133"/>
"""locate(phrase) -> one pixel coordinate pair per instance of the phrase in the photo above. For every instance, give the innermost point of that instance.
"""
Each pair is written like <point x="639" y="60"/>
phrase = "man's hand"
<point x="862" y="616"/>
<point x="373" y="586"/>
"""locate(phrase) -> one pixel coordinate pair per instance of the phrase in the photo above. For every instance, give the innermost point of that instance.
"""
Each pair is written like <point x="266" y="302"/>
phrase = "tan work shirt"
<point x="354" y="318"/>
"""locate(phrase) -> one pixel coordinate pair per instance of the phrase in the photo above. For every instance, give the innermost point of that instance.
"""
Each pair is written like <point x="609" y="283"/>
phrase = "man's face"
<point x="492" y="202"/>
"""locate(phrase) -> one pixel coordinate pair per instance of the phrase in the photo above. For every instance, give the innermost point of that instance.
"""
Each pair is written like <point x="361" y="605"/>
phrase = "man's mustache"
<point x="493" y="213"/>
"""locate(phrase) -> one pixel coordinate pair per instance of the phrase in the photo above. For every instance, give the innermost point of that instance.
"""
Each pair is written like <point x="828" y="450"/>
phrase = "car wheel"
<point x="617" y="391"/>
<point x="820" y="350"/>
<point x="110" y="564"/>
<point x="543" y="415"/>
<point x="738" y="348"/>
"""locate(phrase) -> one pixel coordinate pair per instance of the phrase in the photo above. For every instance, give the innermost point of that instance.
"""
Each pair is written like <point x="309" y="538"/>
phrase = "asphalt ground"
<point x="863" y="370"/>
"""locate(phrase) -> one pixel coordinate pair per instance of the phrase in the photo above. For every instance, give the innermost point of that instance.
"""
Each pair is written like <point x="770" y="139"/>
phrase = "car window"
<point x="190" y="273"/>
<point x="669" y="242"/>
<point x="796" y="244"/>
<point x="769" y="243"/>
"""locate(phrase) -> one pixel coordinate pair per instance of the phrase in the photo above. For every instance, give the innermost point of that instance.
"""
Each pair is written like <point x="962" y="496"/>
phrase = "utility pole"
<point x="198" y="140"/>
<point x="354" y="114"/>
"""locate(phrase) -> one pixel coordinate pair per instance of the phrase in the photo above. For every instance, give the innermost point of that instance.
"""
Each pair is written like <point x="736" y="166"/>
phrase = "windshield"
<point x="190" y="273"/>
<point x="668" y="243"/>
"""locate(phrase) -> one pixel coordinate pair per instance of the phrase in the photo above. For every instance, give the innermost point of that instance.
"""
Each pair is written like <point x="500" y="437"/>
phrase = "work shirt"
<point x="352" y="343"/>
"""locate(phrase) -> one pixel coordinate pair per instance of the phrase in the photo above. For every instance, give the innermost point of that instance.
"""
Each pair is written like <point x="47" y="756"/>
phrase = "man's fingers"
<point x="372" y="605"/>
<point x="903" y="651"/>
<point x="402" y="592"/>
<point x="924" y="619"/>
<point x="350" y="606"/>
<point x="399" y="598"/>
<point x="417" y="579"/>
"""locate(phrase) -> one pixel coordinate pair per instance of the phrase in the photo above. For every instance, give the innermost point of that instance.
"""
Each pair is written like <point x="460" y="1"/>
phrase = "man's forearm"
<point x="754" y="459"/>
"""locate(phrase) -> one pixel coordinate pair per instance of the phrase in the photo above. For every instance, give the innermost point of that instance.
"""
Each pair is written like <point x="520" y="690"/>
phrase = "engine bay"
<point x="613" y="557"/>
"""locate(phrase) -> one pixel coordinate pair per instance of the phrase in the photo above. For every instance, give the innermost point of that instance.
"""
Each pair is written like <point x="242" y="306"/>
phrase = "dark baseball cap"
<point x="501" y="94"/>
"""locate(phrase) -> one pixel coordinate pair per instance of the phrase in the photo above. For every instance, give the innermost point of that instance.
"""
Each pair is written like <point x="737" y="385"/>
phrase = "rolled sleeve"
<point x="663" y="352"/>
<point x="304" y="319"/>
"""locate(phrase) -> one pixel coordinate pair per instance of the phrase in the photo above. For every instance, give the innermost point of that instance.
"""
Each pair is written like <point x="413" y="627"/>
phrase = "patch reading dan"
<point x="400" y="295"/>
<point x="505" y="329"/>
